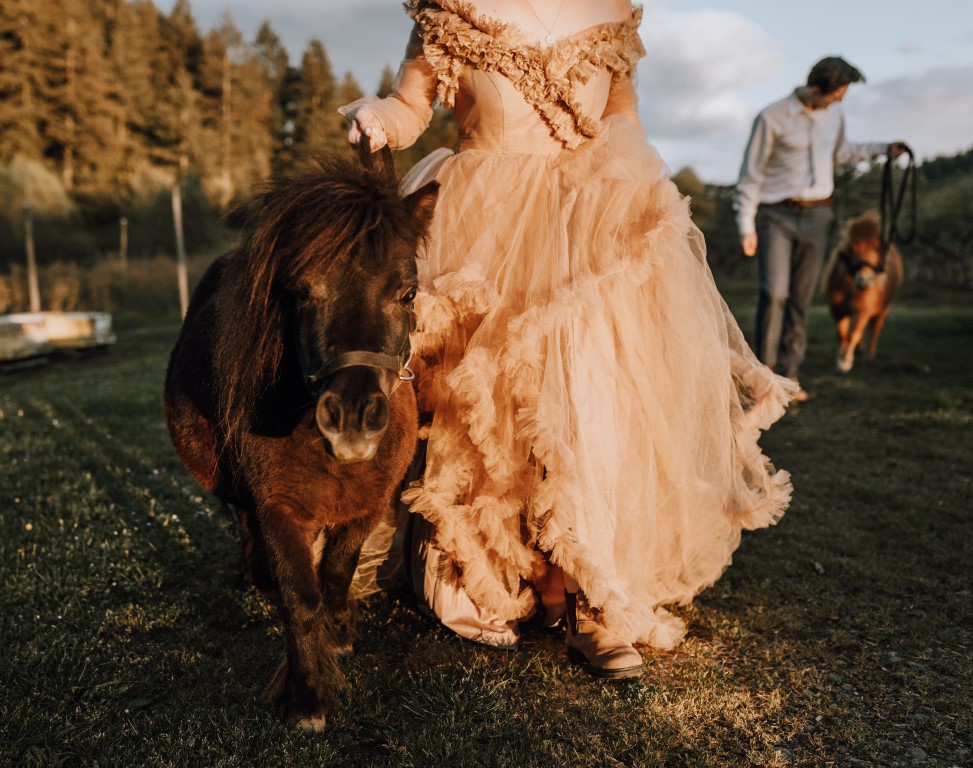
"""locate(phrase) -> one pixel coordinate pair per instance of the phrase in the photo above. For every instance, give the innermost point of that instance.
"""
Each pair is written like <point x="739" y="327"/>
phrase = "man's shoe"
<point x="801" y="396"/>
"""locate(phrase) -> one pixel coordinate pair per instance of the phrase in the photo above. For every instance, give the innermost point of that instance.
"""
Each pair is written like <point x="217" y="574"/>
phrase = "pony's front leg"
<point x="338" y="562"/>
<point x="855" y="340"/>
<point x="846" y="353"/>
<point x="875" y="329"/>
<point x="253" y="562"/>
<point x="303" y="687"/>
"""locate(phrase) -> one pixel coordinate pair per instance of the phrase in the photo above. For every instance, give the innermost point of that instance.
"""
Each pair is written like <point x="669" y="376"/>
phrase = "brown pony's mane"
<point x="336" y="211"/>
<point x="867" y="227"/>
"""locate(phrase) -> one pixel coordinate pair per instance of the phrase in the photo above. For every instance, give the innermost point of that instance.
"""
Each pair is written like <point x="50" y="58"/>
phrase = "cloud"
<point x="364" y="43"/>
<point x="362" y="37"/>
<point x="697" y="66"/>
<point x="931" y="111"/>
<point x="910" y="48"/>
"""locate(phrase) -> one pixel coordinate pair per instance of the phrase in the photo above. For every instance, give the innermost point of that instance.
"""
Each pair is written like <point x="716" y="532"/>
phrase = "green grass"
<point x="843" y="636"/>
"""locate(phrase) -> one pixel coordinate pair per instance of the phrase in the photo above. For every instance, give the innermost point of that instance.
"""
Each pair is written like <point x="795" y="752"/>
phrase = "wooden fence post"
<point x="123" y="243"/>
<point x="33" y="285"/>
<point x="180" y="248"/>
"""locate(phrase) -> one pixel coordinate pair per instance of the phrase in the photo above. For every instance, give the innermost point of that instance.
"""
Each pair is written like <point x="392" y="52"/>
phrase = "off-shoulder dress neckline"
<point x="516" y="36"/>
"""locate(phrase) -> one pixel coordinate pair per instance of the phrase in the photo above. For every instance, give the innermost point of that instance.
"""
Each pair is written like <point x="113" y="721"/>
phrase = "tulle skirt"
<point x="591" y="401"/>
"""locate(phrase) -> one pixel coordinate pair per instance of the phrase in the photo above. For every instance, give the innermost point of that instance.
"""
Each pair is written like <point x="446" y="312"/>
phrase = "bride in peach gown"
<point x="593" y="408"/>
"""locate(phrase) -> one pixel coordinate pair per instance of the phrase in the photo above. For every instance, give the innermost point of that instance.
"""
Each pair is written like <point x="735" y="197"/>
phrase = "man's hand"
<point x="749" y="244"/>
<point x="897" y="148"/>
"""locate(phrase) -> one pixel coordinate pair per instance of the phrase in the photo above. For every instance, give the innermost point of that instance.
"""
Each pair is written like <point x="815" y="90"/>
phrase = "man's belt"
<point x="793" y="202"/>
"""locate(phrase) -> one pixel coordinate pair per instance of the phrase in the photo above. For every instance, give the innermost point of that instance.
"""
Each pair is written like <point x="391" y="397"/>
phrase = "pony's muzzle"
<point x="864" y="278"/>
<point x="352" y="414"/>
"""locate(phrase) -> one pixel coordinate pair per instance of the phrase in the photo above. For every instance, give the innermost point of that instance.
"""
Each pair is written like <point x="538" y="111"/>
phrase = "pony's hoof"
<point x="344" y="651"/>
<point x="844" y="366"/>
<point x="311" y="724"/>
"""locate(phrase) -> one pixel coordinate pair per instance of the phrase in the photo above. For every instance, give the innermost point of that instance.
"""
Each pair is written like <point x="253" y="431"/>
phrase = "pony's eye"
<point x="408" y="297"/>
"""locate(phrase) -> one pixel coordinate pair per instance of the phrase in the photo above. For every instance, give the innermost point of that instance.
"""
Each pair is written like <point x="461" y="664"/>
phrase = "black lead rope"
<point x="891" y="203"/>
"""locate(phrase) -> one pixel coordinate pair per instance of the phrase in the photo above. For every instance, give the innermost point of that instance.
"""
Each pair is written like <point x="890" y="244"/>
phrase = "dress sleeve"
<point x="406" y="112"/>
<point x="623" y="100"/>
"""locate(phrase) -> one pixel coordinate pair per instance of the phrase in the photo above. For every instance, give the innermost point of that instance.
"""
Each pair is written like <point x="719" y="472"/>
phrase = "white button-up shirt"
<point x="792" y="153"/>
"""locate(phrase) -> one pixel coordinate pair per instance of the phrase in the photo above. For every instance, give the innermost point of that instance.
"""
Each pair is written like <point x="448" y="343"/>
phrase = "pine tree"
<point x="289" y="97"/>
<point x="386" y="81"/>
<point x="158" y="96"/>
<point x="19" y="73"/>
<point x="275" y="69"/>
<point x="318" y="124"/>
<point x="217" y="93"/>
<point x="256" y="128"/>
<point x="60" y="106"/>
<point x="128" y="56"/>
<point x="237" y="115"/>
<point x="93" y="112"/>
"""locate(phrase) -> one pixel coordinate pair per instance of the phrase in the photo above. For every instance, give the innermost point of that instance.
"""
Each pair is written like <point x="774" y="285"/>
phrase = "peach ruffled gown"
<point x="591" y="399"/>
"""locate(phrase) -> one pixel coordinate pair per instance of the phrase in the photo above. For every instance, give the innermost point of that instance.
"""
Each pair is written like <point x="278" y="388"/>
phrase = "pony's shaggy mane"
<point x="336" y="211"/>
<point x="866" y="228"/>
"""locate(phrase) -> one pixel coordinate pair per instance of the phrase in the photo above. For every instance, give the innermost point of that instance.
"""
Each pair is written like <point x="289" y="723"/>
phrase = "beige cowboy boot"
<point x="603" y="652"/>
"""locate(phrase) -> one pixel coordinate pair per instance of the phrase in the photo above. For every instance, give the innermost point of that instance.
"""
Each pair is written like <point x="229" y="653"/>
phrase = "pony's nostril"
<point x="330" y="413"/>
<point x="375" y="414"/>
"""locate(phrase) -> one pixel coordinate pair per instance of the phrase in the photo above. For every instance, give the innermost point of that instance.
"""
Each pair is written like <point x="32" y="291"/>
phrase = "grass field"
<point x="843" y="636"/>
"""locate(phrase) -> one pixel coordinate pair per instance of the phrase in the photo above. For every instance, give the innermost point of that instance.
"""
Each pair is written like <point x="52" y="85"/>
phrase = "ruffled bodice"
<point x="511" y="94"/>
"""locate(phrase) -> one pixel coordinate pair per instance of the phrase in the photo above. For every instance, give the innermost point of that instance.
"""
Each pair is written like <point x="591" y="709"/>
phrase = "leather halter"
<point x="398" y="365"/>
<point x="855" y="265"/>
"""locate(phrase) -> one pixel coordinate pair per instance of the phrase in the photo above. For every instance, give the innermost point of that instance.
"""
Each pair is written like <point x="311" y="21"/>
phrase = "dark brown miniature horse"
<point x="860" y="282"/>
<point x="283" y="397"/>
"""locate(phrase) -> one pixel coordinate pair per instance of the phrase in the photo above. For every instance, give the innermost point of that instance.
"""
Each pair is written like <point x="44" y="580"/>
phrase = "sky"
<point x="711" y="65"/>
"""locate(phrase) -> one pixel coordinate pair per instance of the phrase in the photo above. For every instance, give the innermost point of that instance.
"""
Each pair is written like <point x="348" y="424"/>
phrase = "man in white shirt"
<point x="783" y="204"/>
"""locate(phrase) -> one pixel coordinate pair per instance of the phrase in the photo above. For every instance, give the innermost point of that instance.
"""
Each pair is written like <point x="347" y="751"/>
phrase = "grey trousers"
<point x="791" y="244"/>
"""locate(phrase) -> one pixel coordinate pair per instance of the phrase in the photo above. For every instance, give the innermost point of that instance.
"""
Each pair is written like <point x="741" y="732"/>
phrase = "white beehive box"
<point x="28" y="334"/>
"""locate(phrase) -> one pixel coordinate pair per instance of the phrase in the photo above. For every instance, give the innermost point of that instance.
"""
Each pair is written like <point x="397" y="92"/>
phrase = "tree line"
<point x="104" y="104"/>
<point x="940" y="253"/>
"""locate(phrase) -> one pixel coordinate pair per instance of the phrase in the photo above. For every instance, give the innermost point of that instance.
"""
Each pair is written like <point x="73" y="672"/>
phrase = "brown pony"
<point x="860" y="282"/>
<point x="283" y="397"/>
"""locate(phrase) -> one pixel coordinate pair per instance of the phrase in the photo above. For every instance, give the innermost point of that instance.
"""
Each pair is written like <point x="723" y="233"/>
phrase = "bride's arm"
<point x="402" y="116"/>
<point x="624" y="100"/>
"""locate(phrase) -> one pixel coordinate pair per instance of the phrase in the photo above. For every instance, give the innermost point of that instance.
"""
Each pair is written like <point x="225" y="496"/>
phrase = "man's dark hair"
<point x="831" y="73"/>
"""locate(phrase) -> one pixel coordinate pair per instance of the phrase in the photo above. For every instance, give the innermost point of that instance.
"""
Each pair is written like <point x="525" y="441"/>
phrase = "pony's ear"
<point x="423" y="202"/>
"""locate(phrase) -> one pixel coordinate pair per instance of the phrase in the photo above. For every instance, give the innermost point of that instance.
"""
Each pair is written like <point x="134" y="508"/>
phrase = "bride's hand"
<point x="365" y="122"/>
